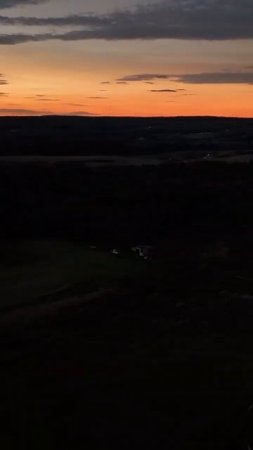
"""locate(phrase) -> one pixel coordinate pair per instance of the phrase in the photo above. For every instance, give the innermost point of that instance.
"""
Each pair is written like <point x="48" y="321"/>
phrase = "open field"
<point x="32" y="271"/>
<point x="162" y="360"/>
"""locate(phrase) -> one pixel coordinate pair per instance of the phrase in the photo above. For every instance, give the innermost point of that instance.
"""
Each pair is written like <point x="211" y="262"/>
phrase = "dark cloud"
<point x="12" y="3"/>
<point x="143" y="77"/>
<point x="105" y="82"/>
<point x="19" y="38"/>
<point x="73" y="20"/>
<point x="164" y="90"/>
<point x="167" y="19"/>
<point x="4" y="94"/>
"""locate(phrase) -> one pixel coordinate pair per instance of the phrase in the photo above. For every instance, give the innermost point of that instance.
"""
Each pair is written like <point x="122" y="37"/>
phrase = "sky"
<point x="126" y="57"/>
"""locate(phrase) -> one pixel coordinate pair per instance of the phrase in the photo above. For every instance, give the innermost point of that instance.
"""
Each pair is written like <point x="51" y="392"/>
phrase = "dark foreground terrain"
<point x="158" y="357"/>
<point x="103" y="348"/>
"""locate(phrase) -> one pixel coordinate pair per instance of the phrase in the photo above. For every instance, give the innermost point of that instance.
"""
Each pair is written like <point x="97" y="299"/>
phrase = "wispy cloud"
<point x="81" y="113"/>
<point x="76" y="104"/>
<point x="23" y="111"/>
<point x="3" y="81"/>
<point x="97" y="98"/>
<point x="48" y="99"/>
<point x="32" y="112"/>
<point x="42" y="98"/>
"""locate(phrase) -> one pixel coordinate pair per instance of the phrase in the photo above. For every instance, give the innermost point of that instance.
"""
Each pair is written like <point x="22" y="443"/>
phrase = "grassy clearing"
<point x="33" y="269"/>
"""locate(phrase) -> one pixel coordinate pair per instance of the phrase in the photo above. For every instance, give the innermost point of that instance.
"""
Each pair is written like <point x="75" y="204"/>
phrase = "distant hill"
<point x="64" y="135"/>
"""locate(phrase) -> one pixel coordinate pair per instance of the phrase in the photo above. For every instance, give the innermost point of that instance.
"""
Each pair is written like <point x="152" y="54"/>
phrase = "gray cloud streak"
<point x="18" y="38"/>
<point x="217" y="78"/>
<point x="195" y="78"/>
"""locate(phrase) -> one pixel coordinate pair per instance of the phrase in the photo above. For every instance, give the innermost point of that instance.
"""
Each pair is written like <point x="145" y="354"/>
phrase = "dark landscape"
<point x="126" y="294"/>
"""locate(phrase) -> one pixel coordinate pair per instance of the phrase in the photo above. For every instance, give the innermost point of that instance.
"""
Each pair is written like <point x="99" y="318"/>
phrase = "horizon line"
<point x="120" y="117"/>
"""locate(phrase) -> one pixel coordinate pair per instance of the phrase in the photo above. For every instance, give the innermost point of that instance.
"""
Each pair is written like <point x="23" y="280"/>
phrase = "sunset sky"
<point x="126" y="57"/>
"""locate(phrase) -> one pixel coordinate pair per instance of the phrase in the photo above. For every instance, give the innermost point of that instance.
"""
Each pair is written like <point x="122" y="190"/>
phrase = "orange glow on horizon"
<point x="62" y="91"/>
<point x="136" y="101"/>
<point x="49" y="78"/>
